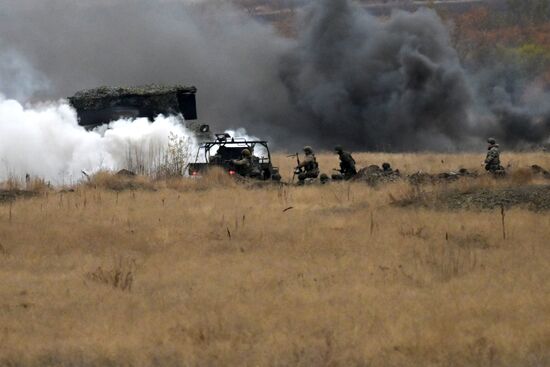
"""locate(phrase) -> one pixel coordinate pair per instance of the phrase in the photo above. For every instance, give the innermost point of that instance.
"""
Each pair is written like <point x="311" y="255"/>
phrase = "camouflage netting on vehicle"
<point x="161" y="96"/>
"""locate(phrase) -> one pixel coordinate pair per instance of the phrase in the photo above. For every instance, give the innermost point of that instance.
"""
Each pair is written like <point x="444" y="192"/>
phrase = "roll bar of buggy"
<point x="226" y="139"/>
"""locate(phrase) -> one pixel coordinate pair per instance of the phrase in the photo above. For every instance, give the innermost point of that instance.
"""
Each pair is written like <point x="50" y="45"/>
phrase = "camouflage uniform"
<point x="347" y="165"/>
<point x="255" y="169"/>
<point x="492" y="160"/>
<point x="309" y="166"/>
<point x="244" y="165"/>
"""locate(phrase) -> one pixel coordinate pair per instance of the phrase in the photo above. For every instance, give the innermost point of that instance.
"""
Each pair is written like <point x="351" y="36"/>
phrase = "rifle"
<point x="297" y="170"/>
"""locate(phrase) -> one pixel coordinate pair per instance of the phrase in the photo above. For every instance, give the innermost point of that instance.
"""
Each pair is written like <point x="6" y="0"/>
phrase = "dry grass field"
<point x="212" y="273"/>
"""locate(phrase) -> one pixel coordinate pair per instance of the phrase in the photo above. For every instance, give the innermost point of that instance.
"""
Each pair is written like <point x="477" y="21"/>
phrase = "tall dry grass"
<point x="197" y="273"/>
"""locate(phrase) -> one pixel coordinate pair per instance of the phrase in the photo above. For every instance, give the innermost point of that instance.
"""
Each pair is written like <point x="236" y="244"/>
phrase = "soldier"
<point x="308" y="168"/>
<point x="492" y="161"/>
<point x="347" y="165"/>
<point x="243" y="165"/>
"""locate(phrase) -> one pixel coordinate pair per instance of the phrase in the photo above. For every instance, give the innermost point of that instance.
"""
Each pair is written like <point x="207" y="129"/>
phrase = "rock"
<point x="126" y="173"/>
<point x="373" y="175"/>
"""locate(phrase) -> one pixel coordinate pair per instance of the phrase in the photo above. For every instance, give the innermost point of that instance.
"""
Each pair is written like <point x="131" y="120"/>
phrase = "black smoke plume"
<point x="377" y="85"/>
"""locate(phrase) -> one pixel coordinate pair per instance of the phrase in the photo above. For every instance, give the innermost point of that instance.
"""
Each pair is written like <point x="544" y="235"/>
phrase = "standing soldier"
<point x="347" y="165"/>
<point x="492" y="161"/>
<point x="308" y="168"/>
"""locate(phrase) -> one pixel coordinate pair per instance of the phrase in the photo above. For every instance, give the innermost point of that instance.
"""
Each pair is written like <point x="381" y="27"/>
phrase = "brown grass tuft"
<point x="115" y="182"/>
<point x="120" y="275"/>
<point x="521" y="176"/>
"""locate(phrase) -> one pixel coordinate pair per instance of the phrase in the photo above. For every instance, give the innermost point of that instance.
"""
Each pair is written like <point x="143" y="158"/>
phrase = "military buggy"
<point x="224" y="149"/>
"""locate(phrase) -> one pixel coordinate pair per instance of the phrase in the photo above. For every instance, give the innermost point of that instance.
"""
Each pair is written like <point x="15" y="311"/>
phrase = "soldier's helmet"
<point x="338" y="149"/>
<point x="308" y="149"/>
<point x="491" y="141"/>
<point x="386" y="166"/>
<point x="246" y="153"/>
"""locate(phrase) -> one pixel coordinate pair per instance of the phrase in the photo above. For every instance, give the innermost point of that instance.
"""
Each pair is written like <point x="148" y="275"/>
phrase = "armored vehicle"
<point x="225" y="148"/>
<point x="99" y="106"/>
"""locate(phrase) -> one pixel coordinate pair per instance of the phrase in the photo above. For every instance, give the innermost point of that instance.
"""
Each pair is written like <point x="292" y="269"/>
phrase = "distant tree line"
<point x="529" y="11"/>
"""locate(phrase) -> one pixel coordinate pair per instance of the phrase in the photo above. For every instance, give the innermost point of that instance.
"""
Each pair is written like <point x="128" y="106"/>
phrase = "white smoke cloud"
<point x="46" y="141"/>
<point x="241" y="133"/>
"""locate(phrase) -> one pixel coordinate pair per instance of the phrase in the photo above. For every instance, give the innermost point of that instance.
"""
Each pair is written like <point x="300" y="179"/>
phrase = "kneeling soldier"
<point x="308" y="168"/>
<point x="347" y="165"/>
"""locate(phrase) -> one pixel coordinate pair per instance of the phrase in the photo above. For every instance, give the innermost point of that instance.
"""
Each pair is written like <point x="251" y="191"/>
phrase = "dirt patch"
<point x="345" y="209"/>
<point x="532" y="197"/>
<point x="374" y="175"/>
<point x="469" y="241"/>
<point x="422" y="178"/>
<point x="7" y="196"/>
<point x="539" y="171"/>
